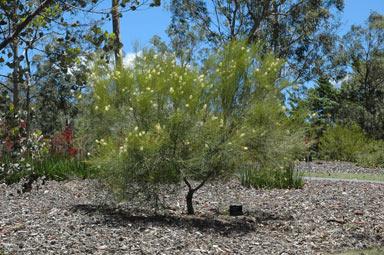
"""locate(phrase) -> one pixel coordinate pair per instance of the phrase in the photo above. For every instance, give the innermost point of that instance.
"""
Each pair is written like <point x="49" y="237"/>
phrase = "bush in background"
<point x="349" y="143"/>
<point x="372" y="154"/>
<point x="32" y="155"/>
<point x="342" y="142"/>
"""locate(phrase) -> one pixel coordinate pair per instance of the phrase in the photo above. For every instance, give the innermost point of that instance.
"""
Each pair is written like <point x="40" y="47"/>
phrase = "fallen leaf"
<point x="103" y="247"/>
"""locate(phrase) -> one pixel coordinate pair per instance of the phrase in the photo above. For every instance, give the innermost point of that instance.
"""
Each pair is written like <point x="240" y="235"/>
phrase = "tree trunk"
<point x="189" y="197"/>
<point x="28" y="103"/>
<point x="116" y="30"/>
<point x="15" y="75"/>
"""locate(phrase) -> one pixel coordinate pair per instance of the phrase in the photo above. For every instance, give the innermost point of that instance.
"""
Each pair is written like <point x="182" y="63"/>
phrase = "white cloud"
<point x="129" y="58"/>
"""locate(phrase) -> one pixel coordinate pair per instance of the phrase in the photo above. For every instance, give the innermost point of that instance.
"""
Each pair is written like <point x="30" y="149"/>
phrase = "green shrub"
<point x="372" y="154"/>
<point x="12" y="170"/>
<point x="342" y="143"/>
<point x="159" y="122"/>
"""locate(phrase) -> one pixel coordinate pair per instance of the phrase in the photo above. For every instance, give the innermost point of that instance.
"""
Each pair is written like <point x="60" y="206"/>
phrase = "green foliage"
<point x="323" y="101"/>
<point x="302" y="32"/>
<point x="51" y="167"/>
<point x="283" y="177"/>
<point x="372" y="154"/>
<point x="159" y="122"/>
<point x="61" y="168"/>
<point x="362" y="91"/>
<point x="342" y="143"/>
<point x="31" y="154"/>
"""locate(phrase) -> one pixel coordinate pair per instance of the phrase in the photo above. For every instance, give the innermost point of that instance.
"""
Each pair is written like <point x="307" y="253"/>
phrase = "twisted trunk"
<point x="190" y="193"/>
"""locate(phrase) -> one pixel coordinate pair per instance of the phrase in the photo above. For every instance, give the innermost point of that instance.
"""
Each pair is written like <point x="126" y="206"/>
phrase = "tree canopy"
<point x="302" y="32"/>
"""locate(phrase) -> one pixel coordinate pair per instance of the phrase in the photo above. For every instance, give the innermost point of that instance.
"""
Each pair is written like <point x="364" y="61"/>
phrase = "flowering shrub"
<point x="25" y="153"/>
<point x="160" y="122"/>
<point x="18" y="143"/>
<point x="19" y="148"/>
<point x="63" y="144"/>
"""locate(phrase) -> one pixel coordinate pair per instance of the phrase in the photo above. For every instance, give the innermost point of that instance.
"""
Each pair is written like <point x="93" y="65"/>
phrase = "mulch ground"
<point x="72" y="217"/>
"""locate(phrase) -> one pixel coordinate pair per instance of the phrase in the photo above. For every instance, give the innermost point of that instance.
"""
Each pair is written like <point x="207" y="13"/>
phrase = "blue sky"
<point x="141" y="26"/>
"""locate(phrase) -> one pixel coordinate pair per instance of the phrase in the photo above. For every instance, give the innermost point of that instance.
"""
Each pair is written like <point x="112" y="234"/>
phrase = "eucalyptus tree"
<point x="300" y="31"/>
<point x="119" y="6"/>
<point x="25" y="27"/>
<point x="362" y="56"/>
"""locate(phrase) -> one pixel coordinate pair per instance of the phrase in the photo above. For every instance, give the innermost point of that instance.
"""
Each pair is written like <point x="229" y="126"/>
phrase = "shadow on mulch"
<point x="237" y="225"/>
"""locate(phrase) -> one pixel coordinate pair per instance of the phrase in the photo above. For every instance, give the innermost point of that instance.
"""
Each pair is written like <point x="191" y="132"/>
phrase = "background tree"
<point x="44" y="19"/>
<point x="362" y="91"/>
<point x="51" y="47"/>
<point x="324" y="102"/>
<point x="302" y="32"/>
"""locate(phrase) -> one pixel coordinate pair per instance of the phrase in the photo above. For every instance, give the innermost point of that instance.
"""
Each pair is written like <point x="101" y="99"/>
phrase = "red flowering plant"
<point x="63" y="144"/>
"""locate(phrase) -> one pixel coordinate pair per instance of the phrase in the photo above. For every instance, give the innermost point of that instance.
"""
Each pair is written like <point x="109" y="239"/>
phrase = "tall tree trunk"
<point x="275" y="39"/>
<point x="28" y="103"/>
<point x="116" y="30"/>
<point x="15" y="75"/>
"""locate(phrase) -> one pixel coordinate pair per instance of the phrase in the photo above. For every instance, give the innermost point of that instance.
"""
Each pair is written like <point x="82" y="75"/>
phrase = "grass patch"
<point x="272" y="178"/>
<point x="60" y="168"/>
<point x="372" y="251"/>
<point x="52" y="167"/>
<point x="370" y="177"/>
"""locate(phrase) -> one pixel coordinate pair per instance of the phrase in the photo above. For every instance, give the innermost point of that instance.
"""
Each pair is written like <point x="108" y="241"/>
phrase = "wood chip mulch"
<point x="69" y="218"/>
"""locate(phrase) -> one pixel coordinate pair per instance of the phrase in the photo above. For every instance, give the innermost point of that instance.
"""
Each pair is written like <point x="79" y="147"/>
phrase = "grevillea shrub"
<point x="63" y="144"/>
<point x="159" y="122"/>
